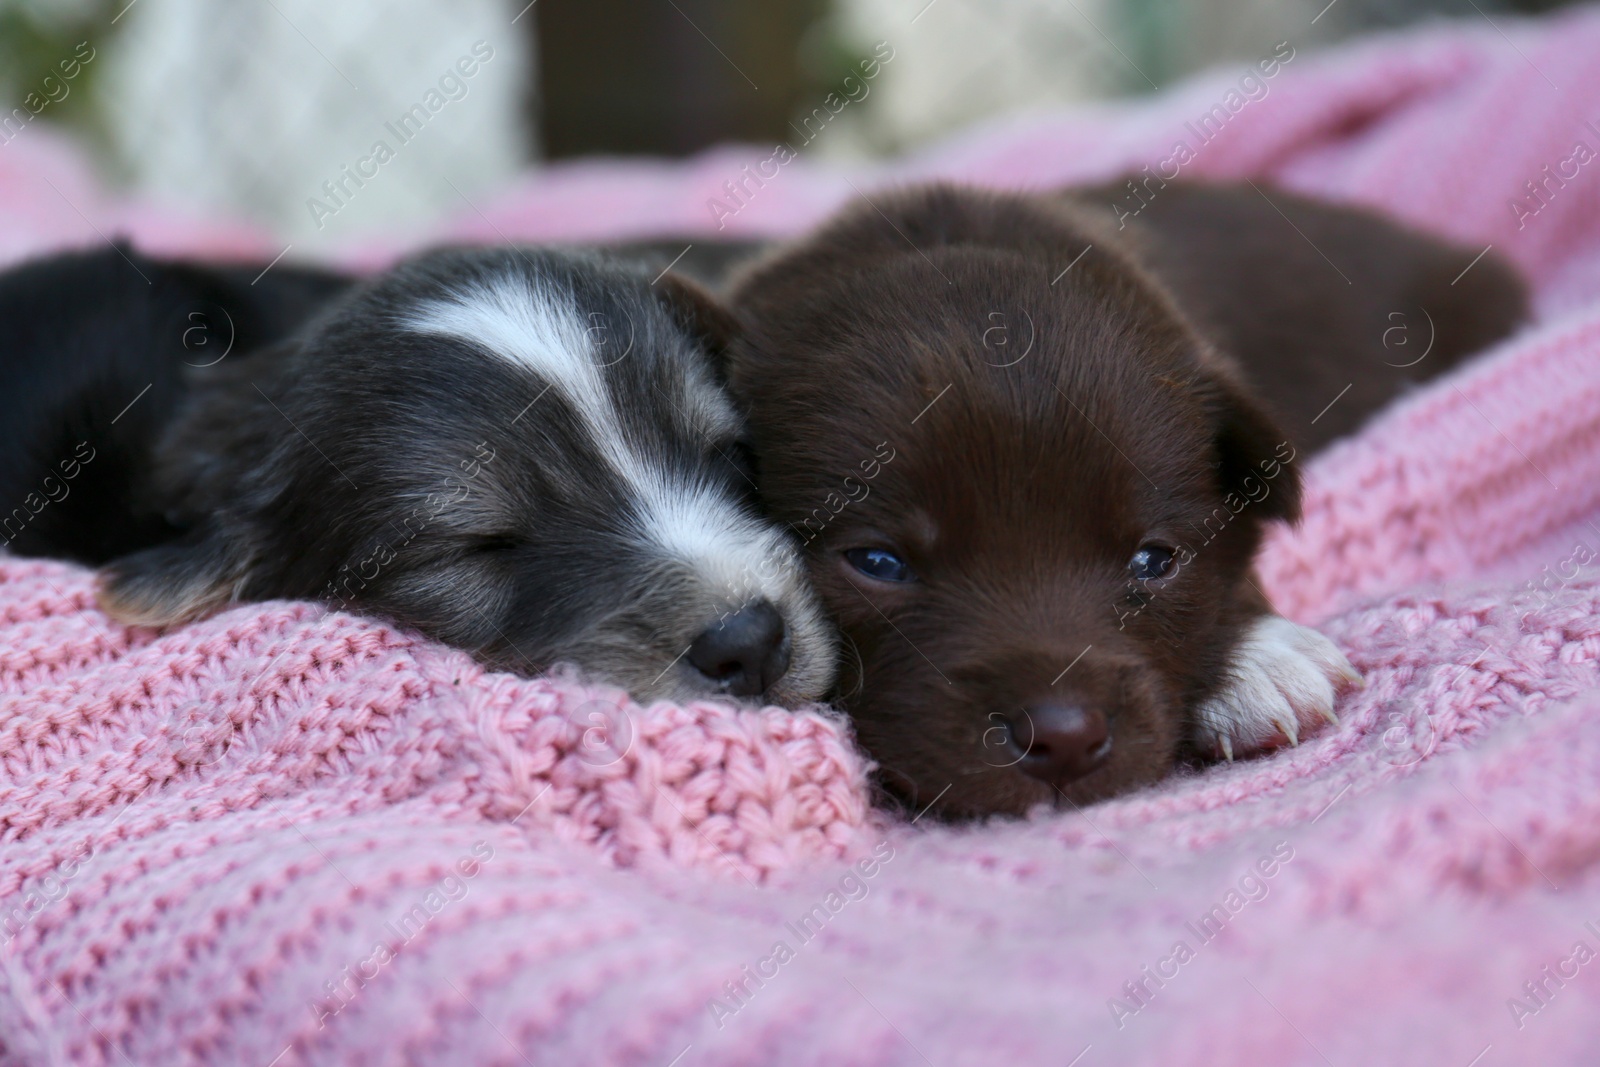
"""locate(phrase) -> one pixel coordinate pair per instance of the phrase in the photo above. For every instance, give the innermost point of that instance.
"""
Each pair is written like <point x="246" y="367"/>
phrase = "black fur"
<point x="95" y="353"/>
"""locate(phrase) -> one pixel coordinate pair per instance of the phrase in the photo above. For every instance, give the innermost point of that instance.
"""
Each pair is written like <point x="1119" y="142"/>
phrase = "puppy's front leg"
<point x="1281" y="681"/>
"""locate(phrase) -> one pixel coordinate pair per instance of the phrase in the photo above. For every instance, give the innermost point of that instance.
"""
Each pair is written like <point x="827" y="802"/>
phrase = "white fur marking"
<point x="525" y="326"/>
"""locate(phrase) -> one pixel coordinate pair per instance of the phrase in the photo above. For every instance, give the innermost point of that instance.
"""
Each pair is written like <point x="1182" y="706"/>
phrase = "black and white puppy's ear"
<point x="1256" y="459"/>
<point x="700" y="315"/>
<point x="195" y="576"/>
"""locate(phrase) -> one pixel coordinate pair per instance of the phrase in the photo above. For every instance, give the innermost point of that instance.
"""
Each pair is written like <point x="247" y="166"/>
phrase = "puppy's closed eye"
<point x="494" y="544"/>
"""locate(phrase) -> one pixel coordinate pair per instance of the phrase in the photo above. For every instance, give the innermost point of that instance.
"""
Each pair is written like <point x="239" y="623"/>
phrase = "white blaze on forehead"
<point x="528" y="327"/>
<point x="689" y="520"/>
<point x="741" y="556"/>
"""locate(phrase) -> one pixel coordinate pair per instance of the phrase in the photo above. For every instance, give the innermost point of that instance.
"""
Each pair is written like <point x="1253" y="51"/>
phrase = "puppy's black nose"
<point x="744" y="653"/>
<point x="1060" y="742"/>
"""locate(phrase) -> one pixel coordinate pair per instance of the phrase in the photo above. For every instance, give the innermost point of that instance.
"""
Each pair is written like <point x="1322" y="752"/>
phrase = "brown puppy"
<point x="1031" y="453"/>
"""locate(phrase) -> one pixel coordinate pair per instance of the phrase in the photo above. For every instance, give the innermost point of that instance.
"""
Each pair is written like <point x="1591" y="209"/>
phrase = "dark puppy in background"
<point x="95" y="353"/>
<point x="1032" y="455"/>
<point x="526" y="454"/>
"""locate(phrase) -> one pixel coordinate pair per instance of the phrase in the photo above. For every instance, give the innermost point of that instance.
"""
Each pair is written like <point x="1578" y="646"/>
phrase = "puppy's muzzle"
<point x="1059" y="742"/>
<point x="744" y="653"/>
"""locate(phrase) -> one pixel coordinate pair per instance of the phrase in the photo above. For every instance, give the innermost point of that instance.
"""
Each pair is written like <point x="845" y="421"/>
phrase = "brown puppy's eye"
<point x="1152" y="562"/>
<point x="880" y="563"/>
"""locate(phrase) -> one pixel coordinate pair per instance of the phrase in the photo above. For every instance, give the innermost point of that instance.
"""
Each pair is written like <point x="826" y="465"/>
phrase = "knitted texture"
<point x="287" y="836"/>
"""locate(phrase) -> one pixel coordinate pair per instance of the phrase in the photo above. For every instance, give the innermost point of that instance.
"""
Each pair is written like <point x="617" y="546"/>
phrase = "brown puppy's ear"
<point x="178" y="582"/>
<point x="1256" y="459"/>
<point x="699" y="313"/>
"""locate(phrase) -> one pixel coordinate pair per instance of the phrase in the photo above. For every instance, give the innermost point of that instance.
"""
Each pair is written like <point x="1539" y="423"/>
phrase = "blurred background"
<point x="327" y="120"/>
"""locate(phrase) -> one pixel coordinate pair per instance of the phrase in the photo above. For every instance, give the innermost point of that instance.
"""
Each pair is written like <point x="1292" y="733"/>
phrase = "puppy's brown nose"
<point x="1060" y="742"/>
<point x="743" y="653"/>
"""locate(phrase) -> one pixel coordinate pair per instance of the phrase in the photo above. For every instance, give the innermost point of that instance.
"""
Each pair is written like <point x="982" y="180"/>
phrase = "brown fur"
<point x="1041" y="426"/>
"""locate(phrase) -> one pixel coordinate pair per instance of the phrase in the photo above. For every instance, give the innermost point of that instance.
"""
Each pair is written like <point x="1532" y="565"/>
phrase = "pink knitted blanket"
<point x="285" y="836"/>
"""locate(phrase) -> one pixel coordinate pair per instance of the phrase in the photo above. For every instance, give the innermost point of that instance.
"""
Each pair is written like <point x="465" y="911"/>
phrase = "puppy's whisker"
<point x="849" y="644"/>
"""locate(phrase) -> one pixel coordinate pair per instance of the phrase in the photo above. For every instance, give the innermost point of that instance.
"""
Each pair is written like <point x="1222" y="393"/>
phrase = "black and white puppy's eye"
<point x="1152" y="562"/>
<point x="880" y="563"/>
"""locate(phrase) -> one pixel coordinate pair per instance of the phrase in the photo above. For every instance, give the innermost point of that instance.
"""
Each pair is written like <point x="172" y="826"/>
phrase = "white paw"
<point x="1281" y="683"/>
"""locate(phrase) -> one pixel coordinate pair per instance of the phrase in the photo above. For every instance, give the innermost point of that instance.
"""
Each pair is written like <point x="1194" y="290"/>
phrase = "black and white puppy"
<point x="527" y="454"/>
